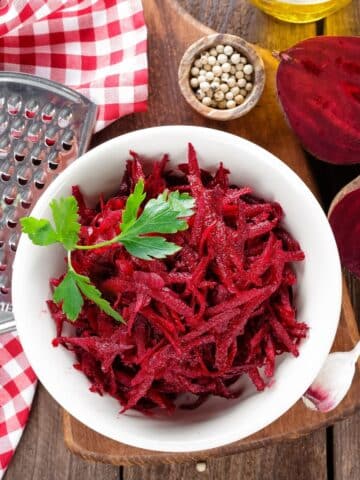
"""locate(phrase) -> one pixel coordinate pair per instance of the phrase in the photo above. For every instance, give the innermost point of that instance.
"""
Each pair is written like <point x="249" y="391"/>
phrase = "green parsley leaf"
<point x="66" y="219"/>
<point x="148" y="248"/>
<point x="93" y="294"/>
<point x="164" y="214"/>
<point x="132" y="206"/>
<point x="69" y="294"/>
<point x="40" y="231"/>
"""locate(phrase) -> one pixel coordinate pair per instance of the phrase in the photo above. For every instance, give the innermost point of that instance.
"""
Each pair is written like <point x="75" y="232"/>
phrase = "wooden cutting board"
<point x="171" y="31"/>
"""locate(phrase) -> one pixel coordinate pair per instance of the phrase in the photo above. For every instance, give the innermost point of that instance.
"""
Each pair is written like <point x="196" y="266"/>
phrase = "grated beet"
<point x="220" y="308"/>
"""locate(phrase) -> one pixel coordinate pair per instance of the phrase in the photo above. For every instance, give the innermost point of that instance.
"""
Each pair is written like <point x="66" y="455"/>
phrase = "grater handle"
<point x="7" y="322"/>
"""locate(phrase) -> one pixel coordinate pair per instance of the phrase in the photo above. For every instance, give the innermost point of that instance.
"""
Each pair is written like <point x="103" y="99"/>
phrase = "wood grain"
<point x="242" y="18"/>
<point x="303" y="460"/>
<point x="42" y="455"/>
<point x="346" y="446"/>
<point x="170" y="33"/>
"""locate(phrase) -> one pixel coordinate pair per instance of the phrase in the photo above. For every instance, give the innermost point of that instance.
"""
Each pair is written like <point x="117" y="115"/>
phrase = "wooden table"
<point x="325" y="454"/>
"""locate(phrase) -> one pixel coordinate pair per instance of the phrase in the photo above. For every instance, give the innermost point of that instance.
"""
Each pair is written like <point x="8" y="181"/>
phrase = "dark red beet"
<point x="318" y="83"/>
<point x="344" y="217"/>
<point x="218" y="309"/>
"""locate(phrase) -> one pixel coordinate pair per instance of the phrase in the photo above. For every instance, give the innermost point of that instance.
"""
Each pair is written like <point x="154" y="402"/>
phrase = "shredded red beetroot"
<point x="220" y="308"/>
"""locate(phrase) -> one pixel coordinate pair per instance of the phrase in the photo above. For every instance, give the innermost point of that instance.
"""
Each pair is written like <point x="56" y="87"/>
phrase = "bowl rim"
<point x="223" y="437"/>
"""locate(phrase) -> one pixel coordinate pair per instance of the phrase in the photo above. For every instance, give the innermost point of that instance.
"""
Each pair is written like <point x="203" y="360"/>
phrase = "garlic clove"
<point x="333" y="381"/>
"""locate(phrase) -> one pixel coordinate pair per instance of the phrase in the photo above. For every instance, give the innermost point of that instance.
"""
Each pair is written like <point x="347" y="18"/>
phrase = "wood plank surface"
<point x="42" y="455"/>
<point x="302" y="460"/>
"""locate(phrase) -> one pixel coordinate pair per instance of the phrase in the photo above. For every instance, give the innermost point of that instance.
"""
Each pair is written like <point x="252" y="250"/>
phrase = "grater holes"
<point x="31" y="109"/>
<point x="4" y="290"/>
<point x="10" y="194"/>
<point x="67" y="140"/>
<point x="23" y="175"/>
<point x="40" y="179"/>
<point x="51" y="136"/>
<point x="37" y="155"/>
<point x="13" y="241"/>
<point x="17" y="128"/>
<point x="34" y="132"/>
<point x="14" y="104"/>
<point x="20" y="151"/>
<point x="5" y="145"/>
<point x="26" y="198"/>
<point x="53" y="160"/>
<point x="6" y="170"/>
<point x="3" y="264"/>
<point x="4" y="122"/>
<point x="48" y="113"/>
<point x="65" y="117"/>
<point x="12" y="217"/>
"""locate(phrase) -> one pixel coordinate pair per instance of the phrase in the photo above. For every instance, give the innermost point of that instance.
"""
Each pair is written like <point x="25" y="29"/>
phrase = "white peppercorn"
<point x="207" y="67"/>
<point x="194" y="82"/>
<point x="222" y="104"/>
<point x="219" y="48"/>
<point x="206" y="101"/>
<point x="225" y="88"/>
<point x="219" y="95"/>
<point x="248" y="87"/>
<point x="217" y="70"/>
<point x="239" y="99"/>
<point x="209" y="76"/>
<point x="248" y="69"/>
<point x="222" y="58"/>
<point x="241" y="82"/>
<point x="231" y="82"/>
<point x="212" y="59"/>
<point x="204" y="85"/>
<point x="225" y="77"/>
<point x="235" y="91"/>
<point x="228" y="50"/>
<point x="226" y="67"/>
<point x="229" y="96"/>
<point x="195" y="71"/>
<point x="213" y="52"/>
<point x="235" y="58"/>
<point x="230" y="104"/>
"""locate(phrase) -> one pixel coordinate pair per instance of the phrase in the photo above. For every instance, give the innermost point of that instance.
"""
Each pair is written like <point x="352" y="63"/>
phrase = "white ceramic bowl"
<point x="218" y="421"/>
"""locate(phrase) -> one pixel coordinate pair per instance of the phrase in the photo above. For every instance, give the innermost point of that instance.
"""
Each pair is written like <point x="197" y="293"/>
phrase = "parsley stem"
<point x="98" y="245"/>
<point x="69" y="261"/>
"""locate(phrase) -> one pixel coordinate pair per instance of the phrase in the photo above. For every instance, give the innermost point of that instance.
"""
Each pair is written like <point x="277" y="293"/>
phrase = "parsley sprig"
<point x="165" y="214"/>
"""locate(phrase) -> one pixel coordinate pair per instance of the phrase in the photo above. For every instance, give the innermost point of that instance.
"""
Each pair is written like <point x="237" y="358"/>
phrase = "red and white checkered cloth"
<point x="97" y="47"/>
<point x="17" y="387"/>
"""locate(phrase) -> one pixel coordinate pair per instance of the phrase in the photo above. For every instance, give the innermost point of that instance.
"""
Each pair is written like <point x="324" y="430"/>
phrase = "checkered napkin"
<point x="17" y="387"/>
<point x="97" y="47"/>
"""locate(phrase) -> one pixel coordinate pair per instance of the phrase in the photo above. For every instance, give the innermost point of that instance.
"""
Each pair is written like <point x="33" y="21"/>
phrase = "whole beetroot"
<point x="318" y="83"/>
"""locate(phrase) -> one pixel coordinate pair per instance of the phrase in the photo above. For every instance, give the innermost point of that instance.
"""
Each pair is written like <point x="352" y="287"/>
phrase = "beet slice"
<point x="344" y="218"/>
<point x="318" y="84"/>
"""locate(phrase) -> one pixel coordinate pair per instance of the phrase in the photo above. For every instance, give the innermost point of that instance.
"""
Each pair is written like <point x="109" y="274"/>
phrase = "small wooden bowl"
<point x="242" y="47"/>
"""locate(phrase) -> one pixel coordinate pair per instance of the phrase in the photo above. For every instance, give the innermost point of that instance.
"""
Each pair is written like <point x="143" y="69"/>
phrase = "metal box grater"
<point x="44" y="126"/>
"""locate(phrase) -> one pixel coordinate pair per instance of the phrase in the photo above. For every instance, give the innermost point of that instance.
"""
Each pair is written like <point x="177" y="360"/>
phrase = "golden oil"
<point x="300" y="11"/>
